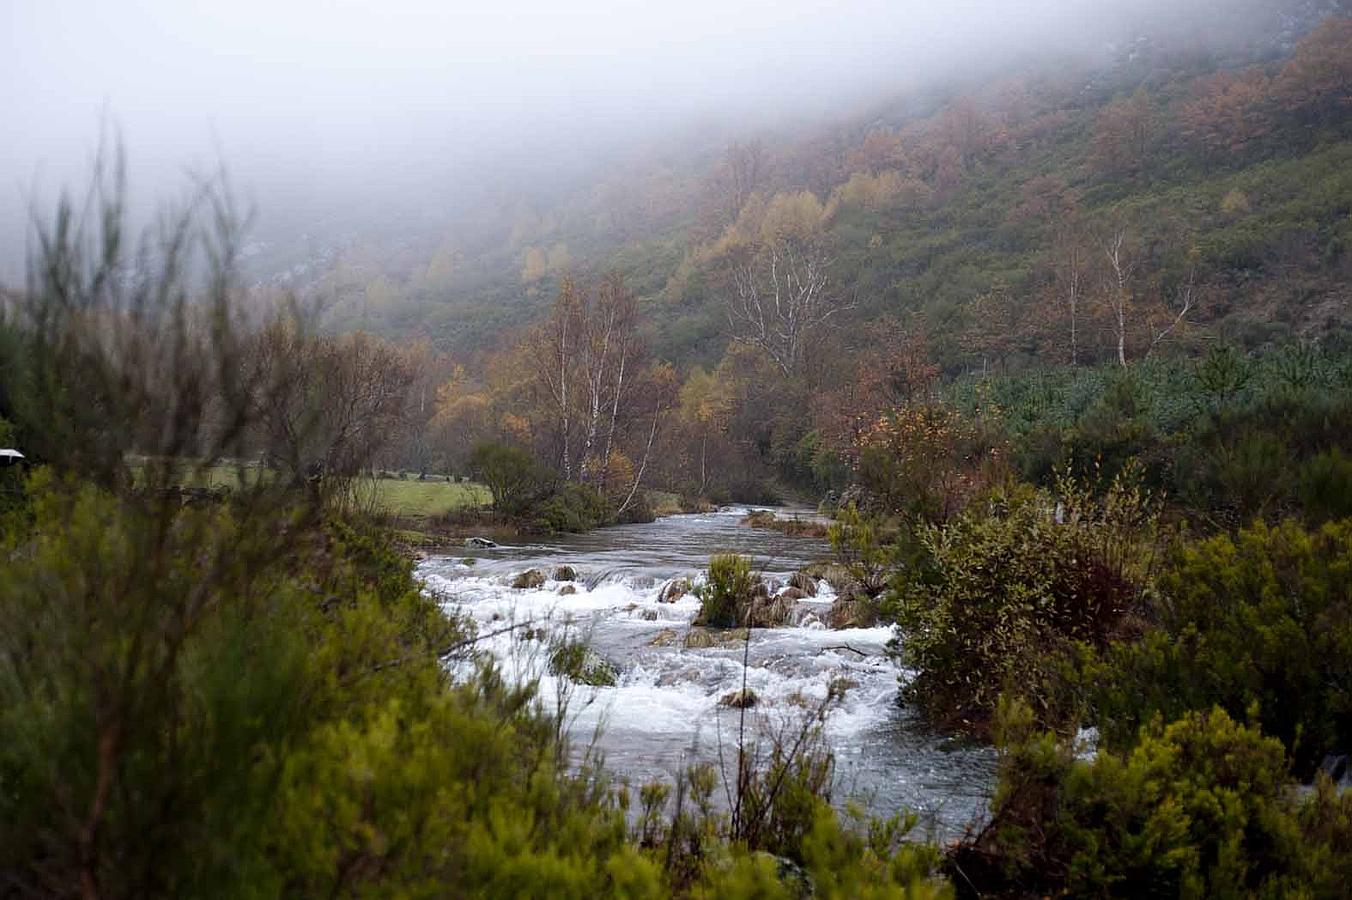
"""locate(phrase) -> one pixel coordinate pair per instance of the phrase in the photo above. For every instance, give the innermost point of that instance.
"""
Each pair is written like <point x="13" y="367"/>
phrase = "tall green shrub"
<point x="1259" y="623"/>
<point x="1197" y="808"/>
<point x="727" y="593"/>
<point x="1003" y="598"/>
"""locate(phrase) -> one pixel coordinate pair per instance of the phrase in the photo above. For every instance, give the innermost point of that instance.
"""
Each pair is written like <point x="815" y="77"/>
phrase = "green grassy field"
<point x="409" y="497"/>
<point x="426" y="499"/>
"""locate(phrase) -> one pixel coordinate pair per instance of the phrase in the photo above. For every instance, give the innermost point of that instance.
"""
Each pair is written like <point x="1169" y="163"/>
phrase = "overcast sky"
<point x="348" y="98"/>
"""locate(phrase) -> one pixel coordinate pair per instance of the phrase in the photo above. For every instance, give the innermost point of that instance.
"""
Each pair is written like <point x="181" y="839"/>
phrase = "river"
<point x="664" y="710"/>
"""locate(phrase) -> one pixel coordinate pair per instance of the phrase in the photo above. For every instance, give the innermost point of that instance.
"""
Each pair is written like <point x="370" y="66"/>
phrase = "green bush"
<point x="1325" y="487"/>
<point x="511" y="474"/>
<point x="1260" y="624"/>
<point x="573" y="508"/>
<point x="282" y="718"/>
<point x="727" y="593"/>
<point x="862" y="551"/>
<point x="1197" y="808"/>
<point x="1005" y="598"/>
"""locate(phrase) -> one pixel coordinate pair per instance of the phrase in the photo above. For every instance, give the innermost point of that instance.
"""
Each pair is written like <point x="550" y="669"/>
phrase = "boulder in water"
<point x="770" y="612"/>
<point x="567" y="590"/>
<point x="479" y="542"/>
<point x="675" y="590"/>
<point x="793" y="593"/>
<point x="529" y="579"/>
<point x="565" y="573"/>
<point x="743" y="699"/>
<point x="852" y="612"/>
<point x="804" y="582"/>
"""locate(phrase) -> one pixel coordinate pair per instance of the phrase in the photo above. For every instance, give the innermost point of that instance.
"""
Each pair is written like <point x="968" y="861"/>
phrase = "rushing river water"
<point x="665" y="712"/>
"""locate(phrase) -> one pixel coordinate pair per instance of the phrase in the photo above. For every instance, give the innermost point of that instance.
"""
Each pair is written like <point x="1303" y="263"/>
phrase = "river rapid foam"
<point x="664" y="710"/>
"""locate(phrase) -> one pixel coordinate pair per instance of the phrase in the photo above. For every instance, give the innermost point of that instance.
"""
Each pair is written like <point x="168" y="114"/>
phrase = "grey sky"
<point x="303" y="97"/>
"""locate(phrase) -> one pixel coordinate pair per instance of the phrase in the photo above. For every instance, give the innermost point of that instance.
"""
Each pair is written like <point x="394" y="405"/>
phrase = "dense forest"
<point x="1060" y="354"/>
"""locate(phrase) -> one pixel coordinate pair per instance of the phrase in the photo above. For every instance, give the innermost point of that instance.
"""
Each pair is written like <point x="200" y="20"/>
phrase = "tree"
<point x="557" y="364"/>
<point x="704" y="406"/>
<point x="348" y="399"/>
<point x="782" y="295"/>
<point x="1231" y="111"/>
<point x="1122" y="133"/>
<point x="511" y="474"/>
<point x="1070" y="266"/>
<point x="1316" y="84"/>
<point x="587" y="353"/>
<point x="743" y="169"/>
<point x="1118" y="286"/>
<point x="609" y="342"/>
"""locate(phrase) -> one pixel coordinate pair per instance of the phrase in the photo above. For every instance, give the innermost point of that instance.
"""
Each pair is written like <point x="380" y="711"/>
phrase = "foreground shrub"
<point x="282" y="719"/>
<point x="861" y="551"/>
<point x="923" y="461"/>
<point x="1198" y="808"/>
<point x="778" y="835"/>
<point x="1259" y="623"/>
<point x="1003" y="598"/>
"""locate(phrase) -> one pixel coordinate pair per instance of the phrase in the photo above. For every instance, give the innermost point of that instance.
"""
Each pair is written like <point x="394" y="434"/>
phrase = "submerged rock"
<point x="529" y="580"/>
<point x="583" y="665"/>
<point x="667" y="637"/>
<point x="699" y="638"/>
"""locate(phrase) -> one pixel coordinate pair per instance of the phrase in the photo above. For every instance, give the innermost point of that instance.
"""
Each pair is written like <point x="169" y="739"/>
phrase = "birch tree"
<point x="782" y="295"/>
<point x="1118" y="288"/>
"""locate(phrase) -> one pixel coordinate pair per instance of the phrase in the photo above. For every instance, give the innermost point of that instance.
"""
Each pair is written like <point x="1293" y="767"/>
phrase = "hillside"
<point x="1224" y="171"/>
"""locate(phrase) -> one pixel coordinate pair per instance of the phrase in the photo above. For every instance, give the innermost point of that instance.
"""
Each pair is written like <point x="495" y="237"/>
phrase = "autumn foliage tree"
<point x="1122" y="134"/>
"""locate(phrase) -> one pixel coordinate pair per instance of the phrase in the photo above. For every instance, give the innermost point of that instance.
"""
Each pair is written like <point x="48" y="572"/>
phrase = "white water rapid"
<point x="664" y="710"/>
